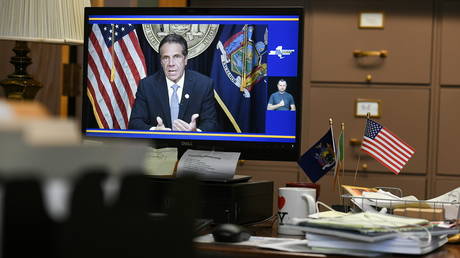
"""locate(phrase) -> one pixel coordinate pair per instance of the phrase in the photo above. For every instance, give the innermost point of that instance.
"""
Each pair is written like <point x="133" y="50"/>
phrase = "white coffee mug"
<point x="294" y="202"/>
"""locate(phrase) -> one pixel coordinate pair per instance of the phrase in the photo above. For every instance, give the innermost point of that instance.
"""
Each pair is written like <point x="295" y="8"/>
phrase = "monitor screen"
<point x="217" y="79"/>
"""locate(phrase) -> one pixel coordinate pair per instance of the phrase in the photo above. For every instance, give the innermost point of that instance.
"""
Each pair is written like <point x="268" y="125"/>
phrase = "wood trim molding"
<point x="172" y="3"/>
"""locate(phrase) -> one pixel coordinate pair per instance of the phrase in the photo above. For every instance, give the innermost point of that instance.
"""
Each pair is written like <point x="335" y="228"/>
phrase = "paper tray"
<point x="451" y="209"/>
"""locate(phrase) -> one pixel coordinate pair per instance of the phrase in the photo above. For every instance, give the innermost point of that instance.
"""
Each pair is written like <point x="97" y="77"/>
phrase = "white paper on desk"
<point x="160" y="162"/>
<point x="208" y="164"/>
<point x="287" y="245"/>
<point x="451" y="211"/>
<point x="252" y="241"/>
<point x="389" y="200"/>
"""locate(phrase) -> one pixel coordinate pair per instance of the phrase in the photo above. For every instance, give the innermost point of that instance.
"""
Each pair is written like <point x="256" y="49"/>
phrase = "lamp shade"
<point x="51" y="21"/>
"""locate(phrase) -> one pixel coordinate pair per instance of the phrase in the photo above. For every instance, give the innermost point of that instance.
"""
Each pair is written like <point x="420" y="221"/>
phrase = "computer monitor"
<point x="253" y="57"/>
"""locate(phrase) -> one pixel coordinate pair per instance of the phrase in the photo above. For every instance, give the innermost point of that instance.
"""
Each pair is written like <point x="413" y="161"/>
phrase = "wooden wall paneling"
<point x="97" y="3"/>
<point x="444" y="185"/>
<point x="449" y="128"/>
<point x="403" y="109"/>
<point x="47" y="69"/>
<point x="406" y="35"/>
<point x="306" y="77"/>
<point x="450" y="42"/>
<point x="172" y="3"/>
<point x="81" y="93"/>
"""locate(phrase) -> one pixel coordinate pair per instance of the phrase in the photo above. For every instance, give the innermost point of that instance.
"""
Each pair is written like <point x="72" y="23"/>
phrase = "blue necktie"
<point x="174" y="103"/>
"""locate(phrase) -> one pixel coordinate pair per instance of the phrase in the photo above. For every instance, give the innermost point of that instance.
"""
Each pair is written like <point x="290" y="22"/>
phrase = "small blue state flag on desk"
<point x="319" y="159"/>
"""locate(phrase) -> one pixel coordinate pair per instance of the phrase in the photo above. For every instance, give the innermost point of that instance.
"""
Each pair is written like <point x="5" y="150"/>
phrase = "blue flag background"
<point x="319" y="159"/>
<point x="239" y="71"/>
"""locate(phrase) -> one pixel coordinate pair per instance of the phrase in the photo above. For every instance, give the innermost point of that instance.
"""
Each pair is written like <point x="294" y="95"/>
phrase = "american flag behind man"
<point x="386" y="147"/>
<point x="114" y="70"/>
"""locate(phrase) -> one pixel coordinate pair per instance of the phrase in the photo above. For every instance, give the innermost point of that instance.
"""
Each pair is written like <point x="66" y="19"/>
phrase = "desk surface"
<point x="269" y="229"/>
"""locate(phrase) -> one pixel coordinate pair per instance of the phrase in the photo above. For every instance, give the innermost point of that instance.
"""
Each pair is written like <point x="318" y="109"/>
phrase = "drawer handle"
<point x="360" y="53"/>
<point x="355" y="142"/>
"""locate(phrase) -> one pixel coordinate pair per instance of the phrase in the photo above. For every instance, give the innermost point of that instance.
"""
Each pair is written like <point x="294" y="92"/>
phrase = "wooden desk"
<point x="269" y="229"/>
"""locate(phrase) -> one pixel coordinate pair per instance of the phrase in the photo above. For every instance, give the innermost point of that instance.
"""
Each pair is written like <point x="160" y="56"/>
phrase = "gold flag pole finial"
<point x="330" y="121"/>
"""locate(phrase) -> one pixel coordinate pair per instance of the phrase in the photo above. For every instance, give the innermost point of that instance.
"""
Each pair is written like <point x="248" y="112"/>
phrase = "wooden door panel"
<point x="444" y="185"/>
<point x="450" y="42"/>
<point x="449" y="128"/>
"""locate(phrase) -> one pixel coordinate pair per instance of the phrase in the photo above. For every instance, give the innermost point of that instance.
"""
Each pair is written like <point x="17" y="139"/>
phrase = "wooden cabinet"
<point x="449" y="130"/>
<point x="406" y="35"/>
<point x="444" y="185"/>
<point x="418" y="84"/>
<point x="450" y="42"/>
<point x="404" y="111"/>
<point x="397" y="70"/>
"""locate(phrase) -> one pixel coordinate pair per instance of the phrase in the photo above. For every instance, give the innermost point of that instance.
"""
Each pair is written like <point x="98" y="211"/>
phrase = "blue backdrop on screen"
<point x="280" y="122"/>
<point x="282" y="53"/>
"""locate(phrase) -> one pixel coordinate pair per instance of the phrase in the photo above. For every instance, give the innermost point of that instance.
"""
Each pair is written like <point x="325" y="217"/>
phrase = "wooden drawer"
<point x="409" y="184"/>
<point x="406" y="36"/>
<point x="450" y="41"/>
<point x="449" y="128"/>
<point x="403" y="111"/>
<point x="444" y="185"/>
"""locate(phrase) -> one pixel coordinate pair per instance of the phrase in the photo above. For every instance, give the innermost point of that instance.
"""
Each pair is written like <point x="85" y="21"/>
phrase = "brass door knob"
<point x="368" y="78"/>
<point x="364" y="166"/>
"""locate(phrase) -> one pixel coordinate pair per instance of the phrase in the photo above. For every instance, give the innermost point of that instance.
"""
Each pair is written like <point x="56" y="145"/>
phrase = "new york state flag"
<point x="239" y="70"/>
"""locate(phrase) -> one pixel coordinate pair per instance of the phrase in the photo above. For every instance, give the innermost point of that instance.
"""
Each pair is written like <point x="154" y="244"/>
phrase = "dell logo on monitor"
<point x="186" y="144"/>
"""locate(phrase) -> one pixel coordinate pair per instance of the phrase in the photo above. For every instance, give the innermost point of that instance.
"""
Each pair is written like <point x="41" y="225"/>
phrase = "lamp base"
<point x="20" y="85"/>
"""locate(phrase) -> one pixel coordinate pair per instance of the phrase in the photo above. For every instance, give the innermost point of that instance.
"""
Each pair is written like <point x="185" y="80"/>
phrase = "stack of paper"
<point x="375" y="232"/>
<point x="398" y="244"/>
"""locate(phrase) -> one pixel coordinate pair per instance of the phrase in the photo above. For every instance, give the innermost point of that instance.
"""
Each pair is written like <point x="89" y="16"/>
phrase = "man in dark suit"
<point x="174" y="98"/>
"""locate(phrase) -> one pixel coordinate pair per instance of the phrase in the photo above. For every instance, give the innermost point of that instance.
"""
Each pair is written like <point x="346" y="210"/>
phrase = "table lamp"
<point x="49" y="21"/>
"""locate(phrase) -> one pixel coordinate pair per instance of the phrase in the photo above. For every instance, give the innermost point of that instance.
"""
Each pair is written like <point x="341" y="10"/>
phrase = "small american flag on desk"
<point x="386" y="147"/>
<point x="115" y="66"/>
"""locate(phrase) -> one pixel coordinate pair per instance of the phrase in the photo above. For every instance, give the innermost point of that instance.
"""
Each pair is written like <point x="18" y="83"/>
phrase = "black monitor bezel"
<point x="249" y="150"/>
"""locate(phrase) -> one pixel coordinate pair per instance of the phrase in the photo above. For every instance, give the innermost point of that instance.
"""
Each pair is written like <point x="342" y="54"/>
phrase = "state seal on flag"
<point x="199" y="36"/>
<point x="325" y="155"/>
<point x="241" y="59"/>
